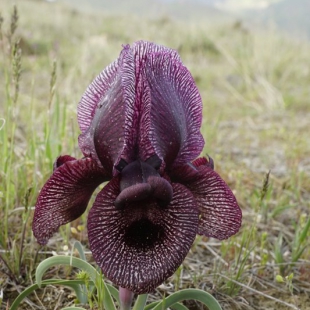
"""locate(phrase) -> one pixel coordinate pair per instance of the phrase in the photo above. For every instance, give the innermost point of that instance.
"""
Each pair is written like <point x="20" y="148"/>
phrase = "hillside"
<point x="176" y="9"/>
<point x="289" y="15"/>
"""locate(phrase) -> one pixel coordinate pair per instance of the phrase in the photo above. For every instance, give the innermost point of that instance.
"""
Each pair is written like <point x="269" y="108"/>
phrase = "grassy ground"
<point x="256" y="94"/>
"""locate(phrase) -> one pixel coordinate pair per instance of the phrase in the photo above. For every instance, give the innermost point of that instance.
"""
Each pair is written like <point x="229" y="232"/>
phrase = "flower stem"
<point x="125" y="297"/>
<point x="140" y="302"/>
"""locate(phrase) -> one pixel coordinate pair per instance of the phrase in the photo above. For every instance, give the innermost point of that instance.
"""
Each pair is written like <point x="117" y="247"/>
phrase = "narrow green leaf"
<point x="304" y="232"/>
<point x="114" y="292"/>
<point x="74" y="284"/>
<point x="140" y="302"/>
<point x="77" y="263"/>
<point x="297" y="255"/>
<point x="65" y="260"/>
<point x="77" y="245"/>
<point x="151" y="305"/>
<point x="179" y="306"/>
<point x="176" y="306"/>
<point x="202" y="296"/>
<point x="23" y="295"/>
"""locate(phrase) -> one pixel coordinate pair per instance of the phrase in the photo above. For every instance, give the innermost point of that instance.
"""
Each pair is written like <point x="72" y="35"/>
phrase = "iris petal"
<point x="94" y="93"/>
<point x="137" y="98"/>
<point x="65" y="196"/>
<point x="175" y="110"/>
<point x="203" y="161"/>
<point x="142" y="50"/>
<point x="61" y="160"/>
<point x="109" y="122"/>
<point x="107" y="115"/>
<point x="141" y="245"/>
<point x="144" y="104"/>
<point x="220" y="215"/>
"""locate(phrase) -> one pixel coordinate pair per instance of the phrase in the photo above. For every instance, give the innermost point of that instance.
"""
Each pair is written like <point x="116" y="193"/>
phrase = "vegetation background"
<point x="255" y="85"/>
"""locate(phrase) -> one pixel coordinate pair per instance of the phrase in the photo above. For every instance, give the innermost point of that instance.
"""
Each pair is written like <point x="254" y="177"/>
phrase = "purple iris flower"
<point x="140" y="121"/>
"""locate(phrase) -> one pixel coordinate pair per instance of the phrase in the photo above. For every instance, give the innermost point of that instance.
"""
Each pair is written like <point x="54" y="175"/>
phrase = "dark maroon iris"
<point x="140" y="130"/>
<point x="140" y="181"/>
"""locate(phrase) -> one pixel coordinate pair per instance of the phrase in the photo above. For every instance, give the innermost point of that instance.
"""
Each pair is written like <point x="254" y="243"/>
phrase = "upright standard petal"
<point x="136" y="98"/>
<point x="65" y="196"/>
<point x="107" y="116"/>
<point x="220" y="215"/>
<point x="94" y="94"/>
<point x="99" y="99"/>
<point x="140" y="245"/>
<point x="144" y="104"/>
<point x="175" y="113"/>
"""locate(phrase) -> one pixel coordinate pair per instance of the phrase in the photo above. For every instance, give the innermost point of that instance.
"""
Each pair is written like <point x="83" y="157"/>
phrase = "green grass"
<point x="255" y="89"/>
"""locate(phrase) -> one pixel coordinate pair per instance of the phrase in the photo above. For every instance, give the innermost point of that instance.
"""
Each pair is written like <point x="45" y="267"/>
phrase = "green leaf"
<point x="74" y="284"/>
<point x="298" y="254"/>
<point x="114" y="292"/>
<point x="202" y="296"/>
<point x="178" y="306"/>
<point x="77" y="245"/>
<point x="151" y="305"/>
<point x="140" y="302"/>
<point x="304" y="232"/>
<point x="77" y="263"/>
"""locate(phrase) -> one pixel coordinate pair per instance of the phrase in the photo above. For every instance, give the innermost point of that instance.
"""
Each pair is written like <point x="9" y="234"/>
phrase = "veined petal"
<point x="175" y="110"/>
<point x="87" y="146"/>
<point x="137" y="98"/>
<point x="203" y="161"/>
<point x="108" y="126"/>
<point x="220" y="215"/>
<point x="142" y="49"/>
<point x="141" y="245"/>
<point x="107" y="115"/>
<point x="94" y="93"/>
<point x="144" y="104"/>
<point x="61" y="160"/>
<point x="65" y="196"/>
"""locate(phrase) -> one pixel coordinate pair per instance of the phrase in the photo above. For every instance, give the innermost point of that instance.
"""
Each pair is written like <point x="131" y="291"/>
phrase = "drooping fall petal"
<point x="65" y="196"/>
<point x="141" y="245"/>
<point x="220" y="215"/>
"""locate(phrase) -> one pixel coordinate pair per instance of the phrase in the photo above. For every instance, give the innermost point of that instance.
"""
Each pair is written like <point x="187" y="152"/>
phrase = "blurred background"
<point x="290" y="16"/>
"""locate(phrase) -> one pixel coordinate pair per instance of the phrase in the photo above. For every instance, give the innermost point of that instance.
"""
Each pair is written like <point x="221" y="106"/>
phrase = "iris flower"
<point x="140" y="125"/>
